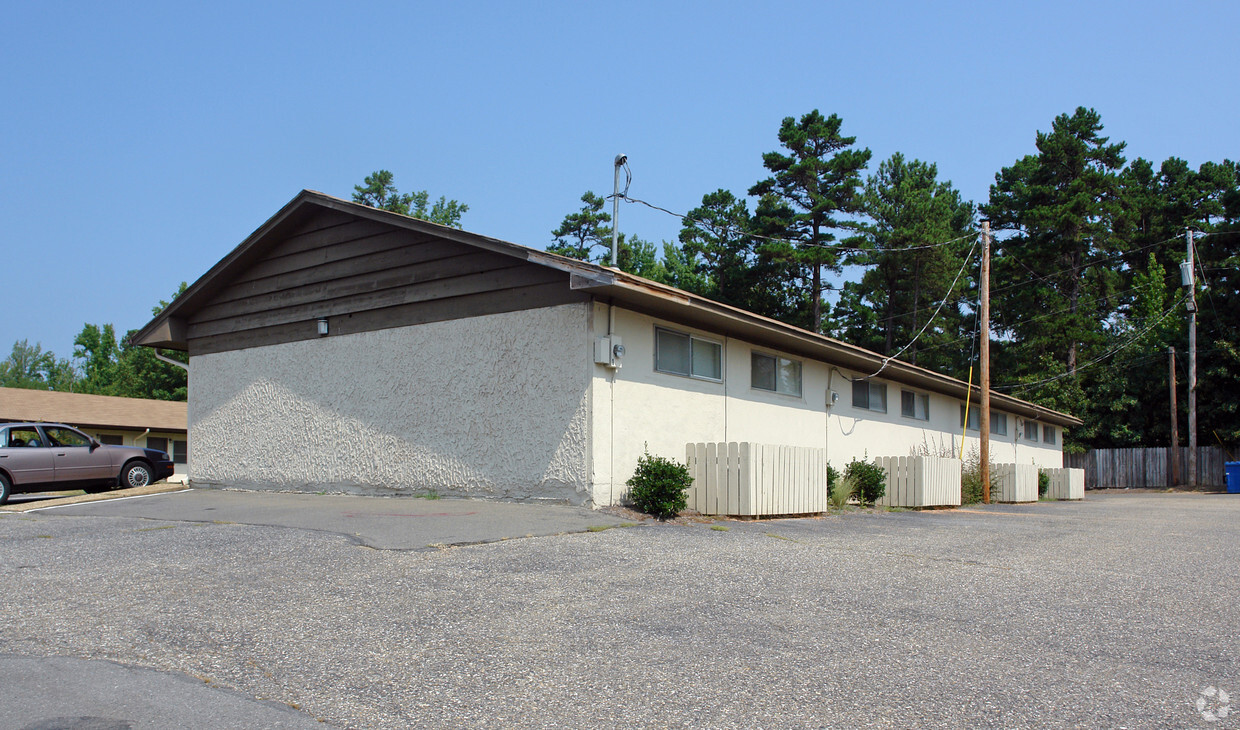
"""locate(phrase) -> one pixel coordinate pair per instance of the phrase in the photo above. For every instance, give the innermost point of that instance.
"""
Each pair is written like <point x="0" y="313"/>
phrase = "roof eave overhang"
<point x="674" y="305"/>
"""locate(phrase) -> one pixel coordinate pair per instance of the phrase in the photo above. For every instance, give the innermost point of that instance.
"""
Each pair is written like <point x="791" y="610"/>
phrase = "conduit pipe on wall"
<point x="160" y="356"/>
<point x="611" y="477"/>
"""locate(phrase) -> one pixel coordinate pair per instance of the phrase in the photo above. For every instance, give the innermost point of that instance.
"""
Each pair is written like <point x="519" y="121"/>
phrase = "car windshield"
<point x="60" y="436"/>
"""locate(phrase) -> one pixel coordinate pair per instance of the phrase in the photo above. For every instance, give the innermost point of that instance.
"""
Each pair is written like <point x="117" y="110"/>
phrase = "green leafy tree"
<point x="32" y="367"/>
<point x="379" y="191"/>
<point x="125" y="369"/>
<point x="808" y="197"/>
<point x="97" y="352"/>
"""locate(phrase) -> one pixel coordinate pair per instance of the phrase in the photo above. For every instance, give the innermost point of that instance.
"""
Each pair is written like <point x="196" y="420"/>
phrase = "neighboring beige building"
<point x="346" y="348"/>
<point x="153" y="424"/>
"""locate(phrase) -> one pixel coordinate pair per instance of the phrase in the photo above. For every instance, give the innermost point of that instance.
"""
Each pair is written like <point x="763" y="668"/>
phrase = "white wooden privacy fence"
<point x="920" y="481"/>
<point x="1066" y="483"/>
<point x="1014" y="483"/>
<point x="756" y="479"/>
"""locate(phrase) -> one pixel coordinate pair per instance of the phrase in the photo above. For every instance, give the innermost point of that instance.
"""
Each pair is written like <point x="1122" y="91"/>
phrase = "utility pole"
<point x="984" y="415"/>
<point x="1173" y="478"/>
<point x="1192" y="364"/>
<point x="615" y="213"/>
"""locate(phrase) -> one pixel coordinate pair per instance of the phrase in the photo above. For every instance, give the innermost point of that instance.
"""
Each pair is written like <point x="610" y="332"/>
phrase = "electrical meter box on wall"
<point x="608" y="351"/>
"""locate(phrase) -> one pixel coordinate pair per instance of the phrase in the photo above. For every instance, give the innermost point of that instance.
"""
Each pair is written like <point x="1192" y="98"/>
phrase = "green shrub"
<point x="842" y="491"/>
<point x="870" y="479"/>
<point x="971" y="477"/>
<point x="833" y="476"/>
<point x="658" y="486"/>
<point x="1044" y="483"/>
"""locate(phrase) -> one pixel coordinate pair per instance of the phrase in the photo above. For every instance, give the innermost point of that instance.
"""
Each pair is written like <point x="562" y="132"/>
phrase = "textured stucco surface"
<point x="494" y="406"/>
<point x="637" y="408"/>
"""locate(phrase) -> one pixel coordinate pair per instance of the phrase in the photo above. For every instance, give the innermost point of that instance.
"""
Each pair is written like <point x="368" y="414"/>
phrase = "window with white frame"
<point x="1031" y="430"/>
<point x="915" y="405"/>
<point x="1048" y="434"/>
<point x="777" y="374"/>
<point x="870" y="396"/>
<point x="680" y="353"/>
<point x="998" y="424"/>
<point x="972" y="416"/>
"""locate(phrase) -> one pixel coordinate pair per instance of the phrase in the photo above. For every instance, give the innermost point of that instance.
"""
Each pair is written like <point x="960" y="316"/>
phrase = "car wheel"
<point x="5" y="489"/>
<point x="135" y="474"/>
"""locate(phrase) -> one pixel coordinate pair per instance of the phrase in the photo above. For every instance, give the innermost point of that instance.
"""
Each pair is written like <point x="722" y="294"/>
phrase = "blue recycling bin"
<point x="1233" y="477"/>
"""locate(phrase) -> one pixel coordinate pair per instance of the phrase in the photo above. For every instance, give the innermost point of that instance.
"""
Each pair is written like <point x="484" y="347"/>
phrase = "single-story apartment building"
<point x="148" y="423"/>
<point x="340" y="347"/>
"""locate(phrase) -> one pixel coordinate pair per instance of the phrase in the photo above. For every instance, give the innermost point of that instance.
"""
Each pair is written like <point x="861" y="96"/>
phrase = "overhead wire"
<point x="688" y="220"/>
<point x="1100" y="358"/>
<point x="889" y="358"/>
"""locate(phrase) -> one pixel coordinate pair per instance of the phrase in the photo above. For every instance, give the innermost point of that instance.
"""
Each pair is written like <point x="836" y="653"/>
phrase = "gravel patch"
<point x="1114" y="612"/>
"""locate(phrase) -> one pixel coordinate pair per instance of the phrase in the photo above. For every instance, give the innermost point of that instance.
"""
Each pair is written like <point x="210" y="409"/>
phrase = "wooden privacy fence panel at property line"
<point x="1065" y="483"/>
<point x="748" y="479"/>
<point x="920" y="481"/>
<point x="1014" y="483"/>
<point x="1148" y="467"/>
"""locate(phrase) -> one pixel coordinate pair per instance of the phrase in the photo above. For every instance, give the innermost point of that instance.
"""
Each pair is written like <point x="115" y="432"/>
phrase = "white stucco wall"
<point x="493" y="406"/>
<point x="638" y="407"/>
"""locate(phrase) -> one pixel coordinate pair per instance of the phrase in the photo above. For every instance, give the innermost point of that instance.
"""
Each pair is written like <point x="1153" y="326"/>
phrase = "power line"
<point x="964" y="266"/>
<point x="710" y="228"/>
<point x="1104" y="356"/>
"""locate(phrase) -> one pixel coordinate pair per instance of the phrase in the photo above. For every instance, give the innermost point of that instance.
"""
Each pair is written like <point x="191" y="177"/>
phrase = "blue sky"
<point x="140" y="142"/>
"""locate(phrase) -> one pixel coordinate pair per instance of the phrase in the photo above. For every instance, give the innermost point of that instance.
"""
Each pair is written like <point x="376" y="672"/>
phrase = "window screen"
<point x="915" y="405"/>
<point x="779" y="374"/>
<point x="681" y="354"/>
<point x="870" y="396"/>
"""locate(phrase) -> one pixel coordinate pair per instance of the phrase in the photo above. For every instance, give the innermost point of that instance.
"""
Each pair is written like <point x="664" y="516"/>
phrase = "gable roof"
<point x="97" y="411"/>
<point x="169" y="329"/>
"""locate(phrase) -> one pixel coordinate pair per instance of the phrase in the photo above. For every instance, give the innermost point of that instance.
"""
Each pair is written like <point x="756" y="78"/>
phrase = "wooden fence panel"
<point x="920" y="481"/>
<point x="1147" y="467"/>
<point x="1066" y="483"/>
<point x="756" y="479"/>
<point x="1014" y="483"/>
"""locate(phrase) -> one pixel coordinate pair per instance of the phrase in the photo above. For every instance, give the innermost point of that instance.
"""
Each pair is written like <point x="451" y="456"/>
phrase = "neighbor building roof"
<point x="94" y="411"/>
<point x="168" y="329"/>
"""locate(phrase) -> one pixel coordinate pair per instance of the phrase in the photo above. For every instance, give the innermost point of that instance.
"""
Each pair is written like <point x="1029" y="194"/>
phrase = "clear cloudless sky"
<point x="141" y="141"/>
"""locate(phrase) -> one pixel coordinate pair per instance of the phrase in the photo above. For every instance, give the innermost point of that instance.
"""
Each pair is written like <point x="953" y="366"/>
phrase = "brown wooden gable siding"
<point x="365" y="275"/>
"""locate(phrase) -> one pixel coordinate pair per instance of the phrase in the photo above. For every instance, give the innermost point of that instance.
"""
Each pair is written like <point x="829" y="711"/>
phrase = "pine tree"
<point x="808" y="196"/>
<point x="1058" y="208"/>
<point x="905" y="280"/>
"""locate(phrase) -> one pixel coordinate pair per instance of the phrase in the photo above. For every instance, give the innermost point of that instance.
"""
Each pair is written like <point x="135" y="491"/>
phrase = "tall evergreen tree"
<point x="718" y="238"/>
<point x="379" y="191"/>
<point x="905" y="281"/>
<point x="583" y="234"/>
<point x="1058" y="208"/>
<point x="809" y="196"/>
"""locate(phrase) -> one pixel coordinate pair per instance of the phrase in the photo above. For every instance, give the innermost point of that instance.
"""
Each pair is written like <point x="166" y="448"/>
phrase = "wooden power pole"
<point x="1192" y="365"/>
<point x="1173" y="478"/>
<point x="984" y="414"/>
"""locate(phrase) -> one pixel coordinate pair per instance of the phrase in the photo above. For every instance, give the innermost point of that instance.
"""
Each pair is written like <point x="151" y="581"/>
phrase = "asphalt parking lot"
<point x="1120" y="611"/>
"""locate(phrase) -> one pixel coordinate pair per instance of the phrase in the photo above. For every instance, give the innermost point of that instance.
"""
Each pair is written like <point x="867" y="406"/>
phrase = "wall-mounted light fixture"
<point x="323" y="327"/>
